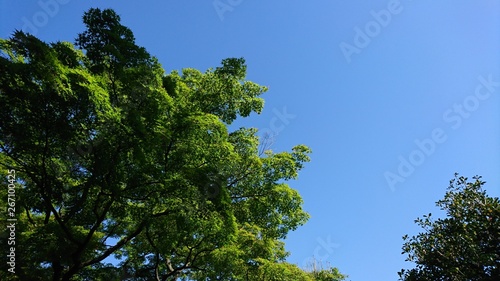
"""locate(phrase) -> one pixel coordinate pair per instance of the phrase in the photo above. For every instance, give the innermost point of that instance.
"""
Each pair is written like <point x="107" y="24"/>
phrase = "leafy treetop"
<point x="115" y="158"/>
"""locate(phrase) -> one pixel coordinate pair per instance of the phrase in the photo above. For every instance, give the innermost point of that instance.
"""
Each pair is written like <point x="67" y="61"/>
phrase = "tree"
<point x="463" y="246"/>
<point x="319" y="272"/>
<point x="115" y="158"/>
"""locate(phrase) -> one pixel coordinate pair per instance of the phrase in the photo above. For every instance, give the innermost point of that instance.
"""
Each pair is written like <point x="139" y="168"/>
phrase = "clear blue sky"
<point x="371" y="86"/>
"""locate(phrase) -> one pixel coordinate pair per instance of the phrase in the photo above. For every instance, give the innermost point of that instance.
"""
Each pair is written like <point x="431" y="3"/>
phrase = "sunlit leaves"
<point x="117" y="158"/>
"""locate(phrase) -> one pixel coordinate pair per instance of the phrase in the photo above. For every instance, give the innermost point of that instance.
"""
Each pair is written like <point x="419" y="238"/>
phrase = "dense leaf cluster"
<point x="115" y="158"/>
<point x="463" y="246"/>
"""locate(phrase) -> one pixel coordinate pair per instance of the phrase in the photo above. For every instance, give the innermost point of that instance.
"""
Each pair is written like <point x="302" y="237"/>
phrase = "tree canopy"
<point x="116" y="158"/>
<point x="464" y="246"/>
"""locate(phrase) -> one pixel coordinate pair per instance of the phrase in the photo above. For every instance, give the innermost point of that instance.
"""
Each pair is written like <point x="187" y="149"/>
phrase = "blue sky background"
<point x="361" y="113"/>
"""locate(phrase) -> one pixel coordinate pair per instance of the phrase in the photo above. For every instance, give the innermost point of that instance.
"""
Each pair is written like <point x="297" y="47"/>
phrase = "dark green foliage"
<point x="463" y="246"/>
